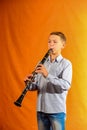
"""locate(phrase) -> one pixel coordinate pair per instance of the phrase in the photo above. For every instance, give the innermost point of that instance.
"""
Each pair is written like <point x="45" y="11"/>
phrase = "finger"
<point x="40" y="65"/>
<point x="38" y="68"/>
<point x="38" y="71"/>
<point x="26" y="79"/>
<point x="29" y="76"/>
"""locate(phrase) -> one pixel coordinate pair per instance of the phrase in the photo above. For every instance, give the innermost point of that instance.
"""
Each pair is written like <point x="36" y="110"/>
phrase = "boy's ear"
<point x="63" y="45"/>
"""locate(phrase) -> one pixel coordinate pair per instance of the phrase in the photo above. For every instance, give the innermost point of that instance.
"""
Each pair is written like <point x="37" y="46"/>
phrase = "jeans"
<point x="51" y="121"/>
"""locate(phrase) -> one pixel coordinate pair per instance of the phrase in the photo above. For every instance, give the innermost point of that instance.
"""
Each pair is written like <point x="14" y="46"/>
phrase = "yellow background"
<point x="24" y="29"/>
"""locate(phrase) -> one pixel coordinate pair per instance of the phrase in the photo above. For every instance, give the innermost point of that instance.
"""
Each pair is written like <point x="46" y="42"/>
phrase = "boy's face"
<point x="56" y="43"/>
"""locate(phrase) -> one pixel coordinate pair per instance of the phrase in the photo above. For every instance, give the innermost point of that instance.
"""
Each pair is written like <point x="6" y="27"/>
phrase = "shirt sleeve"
<point x="65" y="80"/>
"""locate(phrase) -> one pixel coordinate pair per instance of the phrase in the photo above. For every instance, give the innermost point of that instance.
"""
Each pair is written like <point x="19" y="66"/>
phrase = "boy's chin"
<point x="55" y="51"/>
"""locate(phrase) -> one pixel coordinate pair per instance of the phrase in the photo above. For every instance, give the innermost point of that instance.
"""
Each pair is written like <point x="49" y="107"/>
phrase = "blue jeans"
<point x="51" y="121"/>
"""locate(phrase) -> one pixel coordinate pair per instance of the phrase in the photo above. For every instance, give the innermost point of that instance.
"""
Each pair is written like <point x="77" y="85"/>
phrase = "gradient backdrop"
<point x="24" y="29"/>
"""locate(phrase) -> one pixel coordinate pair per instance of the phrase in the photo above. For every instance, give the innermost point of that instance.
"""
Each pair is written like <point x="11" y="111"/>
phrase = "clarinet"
<point x="18" y="102"/>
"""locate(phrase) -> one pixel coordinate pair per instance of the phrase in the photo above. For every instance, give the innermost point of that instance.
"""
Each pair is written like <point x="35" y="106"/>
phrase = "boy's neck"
<point x="53" y="56"/>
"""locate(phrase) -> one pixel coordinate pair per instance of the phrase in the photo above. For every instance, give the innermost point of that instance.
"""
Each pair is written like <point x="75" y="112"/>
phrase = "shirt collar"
<point x="58" y="58"/>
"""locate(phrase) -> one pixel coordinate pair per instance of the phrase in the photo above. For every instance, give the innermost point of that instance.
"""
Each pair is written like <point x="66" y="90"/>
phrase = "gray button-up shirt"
<point x="53" y="89"/>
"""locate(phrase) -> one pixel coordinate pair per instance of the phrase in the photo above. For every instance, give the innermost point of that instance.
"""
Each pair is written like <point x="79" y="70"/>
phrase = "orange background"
<point x="24" y="29"/>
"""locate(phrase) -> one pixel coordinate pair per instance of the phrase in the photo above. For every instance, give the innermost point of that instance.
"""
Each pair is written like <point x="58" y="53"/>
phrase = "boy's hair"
<point x="62" y="36"/>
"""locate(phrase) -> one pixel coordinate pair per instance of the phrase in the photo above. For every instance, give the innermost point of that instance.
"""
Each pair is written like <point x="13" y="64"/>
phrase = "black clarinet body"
<point x="18" y="102"/>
